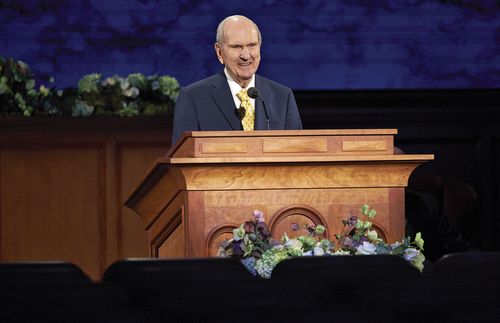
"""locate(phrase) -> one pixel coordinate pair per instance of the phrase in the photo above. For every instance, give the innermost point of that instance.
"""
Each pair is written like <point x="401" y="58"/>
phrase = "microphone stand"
<point x="254" y="93"/>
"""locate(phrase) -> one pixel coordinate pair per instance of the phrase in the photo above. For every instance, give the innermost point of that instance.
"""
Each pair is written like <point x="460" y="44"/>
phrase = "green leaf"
<point x="4" y="87"/>
<point x="89" y="83"/>
<point x="30" y="84"/>
<point x="419" y="241"/>
<point x="320" y="229"/>
<point x="367" y="225"/>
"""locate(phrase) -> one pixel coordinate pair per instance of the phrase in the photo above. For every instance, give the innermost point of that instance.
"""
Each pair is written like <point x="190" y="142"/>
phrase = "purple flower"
<point x="237" y="252"/>
<point x="352" y="221"/>
<point x="311" y="230"/>
<point x="410" y="254"/>
<point x="249" y="227"/>
<point x="350" y="243"/>
<point x="260" y="226"/>
<point x="295" y="227"/>
<point x="259" y="216"/>
<point x="249" y="264"/>
<point x="262" y="230"/>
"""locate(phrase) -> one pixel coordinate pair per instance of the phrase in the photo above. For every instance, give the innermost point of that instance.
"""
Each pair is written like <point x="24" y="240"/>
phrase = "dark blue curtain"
<point x="327" y="44"/>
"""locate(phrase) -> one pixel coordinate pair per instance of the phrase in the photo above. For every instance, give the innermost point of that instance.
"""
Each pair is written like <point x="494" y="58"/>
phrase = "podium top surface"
<point x="278" y="133"/>
<point x="284" y="143"/>
<point x="273" y="133"/>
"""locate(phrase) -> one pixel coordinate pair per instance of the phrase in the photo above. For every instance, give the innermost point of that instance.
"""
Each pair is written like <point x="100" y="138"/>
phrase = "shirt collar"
<point x="234" y="86"/>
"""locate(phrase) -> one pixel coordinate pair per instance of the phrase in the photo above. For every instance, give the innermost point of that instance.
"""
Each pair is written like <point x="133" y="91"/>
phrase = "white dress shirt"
<point x="235" y="88"/>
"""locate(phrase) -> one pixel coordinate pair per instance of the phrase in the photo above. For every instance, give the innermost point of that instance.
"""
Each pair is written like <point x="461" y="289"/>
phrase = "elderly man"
<point x="221" y="102"/>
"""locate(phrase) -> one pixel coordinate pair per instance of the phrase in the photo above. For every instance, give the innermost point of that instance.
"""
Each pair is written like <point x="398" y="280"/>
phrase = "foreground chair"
<point x="55" y="292"/>
<point x="461" y="287"/>
<point x="357" y="285"/>
<point x="210" y="290"/>
<point x="41" y="273"/>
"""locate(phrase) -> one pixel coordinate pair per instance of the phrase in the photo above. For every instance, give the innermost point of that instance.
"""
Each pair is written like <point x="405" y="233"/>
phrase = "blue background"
<point x="378" y="44"/>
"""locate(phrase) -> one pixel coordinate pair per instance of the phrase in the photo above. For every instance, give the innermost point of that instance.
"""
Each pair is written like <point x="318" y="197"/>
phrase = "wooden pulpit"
<point x="211" y="182"/>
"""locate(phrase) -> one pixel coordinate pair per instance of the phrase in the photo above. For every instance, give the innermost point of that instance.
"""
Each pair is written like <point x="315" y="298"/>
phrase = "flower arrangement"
<point x="253" y="245"/>
<point x="18" y="92"/>
<point x="133" y="95"/>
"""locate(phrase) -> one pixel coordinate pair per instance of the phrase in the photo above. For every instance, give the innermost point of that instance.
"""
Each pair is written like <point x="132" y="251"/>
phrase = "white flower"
<point x="43" y="90"/>
<point x="366" y="248"/>
<point x="318" y="251"/>
<point x="395" y="245"/>
<point x="293" y="244"/>
<point x="108" y="81"/>
<point x="155" y="85"/>
<point x="238" y="233"/>
<point x="124" y="84"/>
<point x="132" y="92"/>
<point x="341" y="252"/>
<point x="279" y="247"/>
<point x="81" y="108"/>
<point x="372" y="235"/>
<point x="410" y="254"/>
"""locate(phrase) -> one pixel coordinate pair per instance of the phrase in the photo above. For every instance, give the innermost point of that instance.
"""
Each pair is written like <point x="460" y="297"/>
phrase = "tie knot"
<point x="242" y="95"/>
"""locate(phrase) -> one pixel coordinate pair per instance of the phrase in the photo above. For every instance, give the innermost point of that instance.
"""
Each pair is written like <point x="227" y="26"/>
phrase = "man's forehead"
<point x="243" y="34"/>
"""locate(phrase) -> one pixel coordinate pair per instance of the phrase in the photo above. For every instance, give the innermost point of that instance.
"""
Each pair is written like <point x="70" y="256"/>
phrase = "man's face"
<point x="239" y="50"/>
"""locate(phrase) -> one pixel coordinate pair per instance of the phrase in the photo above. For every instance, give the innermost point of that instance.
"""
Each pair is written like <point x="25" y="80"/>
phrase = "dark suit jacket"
<point x="208" y="105"/>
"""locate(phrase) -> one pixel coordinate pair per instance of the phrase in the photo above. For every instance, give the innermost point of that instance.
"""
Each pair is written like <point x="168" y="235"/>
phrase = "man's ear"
<point x="218" y="51"/>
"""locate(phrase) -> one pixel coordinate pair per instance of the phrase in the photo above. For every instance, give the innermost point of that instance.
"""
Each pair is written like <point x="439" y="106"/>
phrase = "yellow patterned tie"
<point x="247" y="113"/>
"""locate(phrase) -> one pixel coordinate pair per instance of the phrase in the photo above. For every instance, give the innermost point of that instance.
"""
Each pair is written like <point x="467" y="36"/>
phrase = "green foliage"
<point x="130" y="96"/>
<point x="133" y="95"/>
<point x="18" y="92"/>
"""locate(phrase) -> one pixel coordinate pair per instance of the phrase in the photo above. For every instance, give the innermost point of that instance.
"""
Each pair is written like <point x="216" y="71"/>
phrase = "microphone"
<point x="254" y="93"/>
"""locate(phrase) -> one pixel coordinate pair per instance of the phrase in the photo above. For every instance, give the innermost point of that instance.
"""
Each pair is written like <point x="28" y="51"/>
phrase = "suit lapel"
<point x="225" y="102"/>
<point x="260" y="115"/>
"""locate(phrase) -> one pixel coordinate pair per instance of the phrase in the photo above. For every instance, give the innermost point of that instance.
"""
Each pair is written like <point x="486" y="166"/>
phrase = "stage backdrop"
<point x="375" y="44"/>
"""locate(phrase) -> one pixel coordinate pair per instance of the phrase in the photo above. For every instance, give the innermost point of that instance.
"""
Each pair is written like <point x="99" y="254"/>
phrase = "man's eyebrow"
<point x="241" y="45"/>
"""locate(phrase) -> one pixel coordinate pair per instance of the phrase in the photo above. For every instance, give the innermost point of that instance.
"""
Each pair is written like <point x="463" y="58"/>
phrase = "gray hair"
<point x="220" y="29"/>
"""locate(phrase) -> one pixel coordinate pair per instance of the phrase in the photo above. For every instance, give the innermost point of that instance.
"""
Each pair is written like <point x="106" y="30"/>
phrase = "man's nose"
<point x="245" y="53"/>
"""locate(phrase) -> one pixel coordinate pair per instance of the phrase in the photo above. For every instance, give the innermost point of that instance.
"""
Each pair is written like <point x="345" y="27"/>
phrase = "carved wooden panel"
<point x="300" y="215"/>
<point x="217" y="236"/>
<point x="225" y="210"/>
